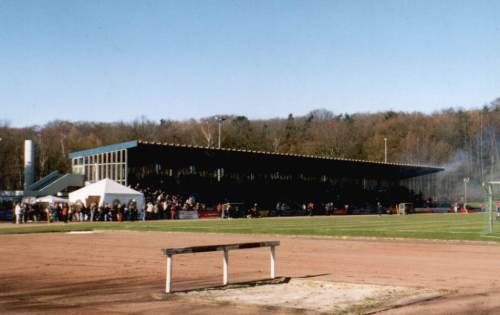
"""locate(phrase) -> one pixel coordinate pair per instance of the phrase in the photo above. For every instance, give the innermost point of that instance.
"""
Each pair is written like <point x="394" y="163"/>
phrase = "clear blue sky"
<point x="119" y="60"/>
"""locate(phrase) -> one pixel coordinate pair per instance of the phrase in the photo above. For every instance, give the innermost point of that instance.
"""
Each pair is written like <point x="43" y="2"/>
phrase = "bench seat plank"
<point x="214" y="248"/>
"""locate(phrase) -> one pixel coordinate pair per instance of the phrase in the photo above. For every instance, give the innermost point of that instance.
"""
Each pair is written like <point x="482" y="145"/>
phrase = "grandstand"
<point x="219" y="174"/>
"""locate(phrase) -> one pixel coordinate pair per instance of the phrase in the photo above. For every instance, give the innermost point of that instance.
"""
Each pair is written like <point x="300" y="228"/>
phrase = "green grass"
<point x="439" y="226"/>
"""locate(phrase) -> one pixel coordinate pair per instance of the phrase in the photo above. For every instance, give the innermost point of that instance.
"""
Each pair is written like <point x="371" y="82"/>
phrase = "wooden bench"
<point x="170" y="252"/>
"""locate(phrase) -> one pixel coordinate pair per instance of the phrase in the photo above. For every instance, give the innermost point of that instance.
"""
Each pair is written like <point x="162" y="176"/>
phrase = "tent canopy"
<point x="51" y="199"/>
<point x="108" y="191"/>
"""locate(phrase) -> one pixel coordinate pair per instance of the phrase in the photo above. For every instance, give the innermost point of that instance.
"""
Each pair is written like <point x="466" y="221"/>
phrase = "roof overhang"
<point x="242" y="158"/>
<point x="104" y="149"/>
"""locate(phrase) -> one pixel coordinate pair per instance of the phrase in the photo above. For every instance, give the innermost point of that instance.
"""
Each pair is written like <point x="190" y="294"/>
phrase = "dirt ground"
<point x="124" y="272"/>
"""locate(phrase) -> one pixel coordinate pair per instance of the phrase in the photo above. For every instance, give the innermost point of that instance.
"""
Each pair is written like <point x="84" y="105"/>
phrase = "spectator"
<point x="18" y="213"/>
<point x="93" y="210"/>
<point x="379" y="208"/>
<point x="66" y="215"/>
<point x="48" y="214"/>
<point x="107" y="213"/>
<point x="149" y="210"/>
<point x="142" y="214"/>
<point x="253" y="212"/>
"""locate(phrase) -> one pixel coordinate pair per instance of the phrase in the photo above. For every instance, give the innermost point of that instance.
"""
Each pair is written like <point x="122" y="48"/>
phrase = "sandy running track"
<point x="123" y="272"/>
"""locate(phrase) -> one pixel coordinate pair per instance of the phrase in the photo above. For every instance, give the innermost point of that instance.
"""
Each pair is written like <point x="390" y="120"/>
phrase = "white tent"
<point x="108" y="191"/>
<point x="51" y="199"/>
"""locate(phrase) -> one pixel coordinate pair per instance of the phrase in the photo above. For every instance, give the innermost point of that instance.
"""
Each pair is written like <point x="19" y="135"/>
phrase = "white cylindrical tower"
<point x="29" y="166"/>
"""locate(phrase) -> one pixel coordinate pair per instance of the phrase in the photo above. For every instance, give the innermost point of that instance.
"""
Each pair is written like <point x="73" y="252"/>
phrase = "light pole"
<point x="466" y="181"/>
<point x="220" y="120"/>
<point x="385" y="150"/>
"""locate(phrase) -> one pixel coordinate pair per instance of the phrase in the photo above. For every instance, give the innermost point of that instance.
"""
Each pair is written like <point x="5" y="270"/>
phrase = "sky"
<point x="121" y="60"/>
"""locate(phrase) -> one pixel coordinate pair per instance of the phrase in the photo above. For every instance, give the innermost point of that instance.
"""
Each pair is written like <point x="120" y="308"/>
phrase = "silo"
<point x="29" y="166"/>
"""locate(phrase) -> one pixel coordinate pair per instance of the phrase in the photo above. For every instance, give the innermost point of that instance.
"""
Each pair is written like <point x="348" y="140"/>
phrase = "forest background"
<point x="464" y="142"/>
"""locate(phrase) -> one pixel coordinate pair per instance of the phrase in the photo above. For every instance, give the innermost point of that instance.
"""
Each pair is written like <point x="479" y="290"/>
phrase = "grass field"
<point x="437" y="226"/>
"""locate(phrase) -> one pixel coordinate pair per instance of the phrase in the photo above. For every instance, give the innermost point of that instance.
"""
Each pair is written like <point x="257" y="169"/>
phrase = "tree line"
<point x="465" y="142"/>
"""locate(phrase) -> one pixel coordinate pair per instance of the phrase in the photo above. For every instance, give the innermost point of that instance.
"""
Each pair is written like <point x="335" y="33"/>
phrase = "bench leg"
<point x="273" y="262"/>
<point x="225" y="276"/>
<point x="168" y="284"/>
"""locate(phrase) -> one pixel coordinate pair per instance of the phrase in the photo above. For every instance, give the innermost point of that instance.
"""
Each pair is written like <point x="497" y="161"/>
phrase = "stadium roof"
<point x="240" y="156"/>
<point x="103" y="149"/>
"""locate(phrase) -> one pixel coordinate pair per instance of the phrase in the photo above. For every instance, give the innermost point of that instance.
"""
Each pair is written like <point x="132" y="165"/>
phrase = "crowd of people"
<point x="161" y="205"/>
<point x="62" y="212"/>
<point x="308" y="208"/>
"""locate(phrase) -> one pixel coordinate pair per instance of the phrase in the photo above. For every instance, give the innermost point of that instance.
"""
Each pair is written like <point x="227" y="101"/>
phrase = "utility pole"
<point x="385" y="150"/>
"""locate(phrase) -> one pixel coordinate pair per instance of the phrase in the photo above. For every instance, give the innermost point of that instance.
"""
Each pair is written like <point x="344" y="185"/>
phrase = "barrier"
<point x="170" y="252"/>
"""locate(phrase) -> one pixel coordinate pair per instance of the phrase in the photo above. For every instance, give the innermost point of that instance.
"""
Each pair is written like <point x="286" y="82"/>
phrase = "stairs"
<point x="54" y="183"/>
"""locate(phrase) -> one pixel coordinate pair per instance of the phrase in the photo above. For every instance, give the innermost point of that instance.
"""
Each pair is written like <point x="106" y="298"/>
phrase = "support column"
<point x="168" y="284"/>
<point x="225" y="276"/>
<point x="126" y="166"/>
<point x="490" y="206"/>
<point x="273" y="262"/>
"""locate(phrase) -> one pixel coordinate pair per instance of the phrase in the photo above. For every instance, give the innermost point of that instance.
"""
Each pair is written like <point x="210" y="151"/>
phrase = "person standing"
<point x="379" y="208"/>
<point x="24" y="218"/>
<point x="142" y="214"/>
<point x="48" y="213"/>
<point x="149" y="211"/>
<point x="107" y="213"/>
<point x="65" y="214"/>
<point x="18" y="213"/>
<point x="119" y="212"/>
<point x="93" y="208"/>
